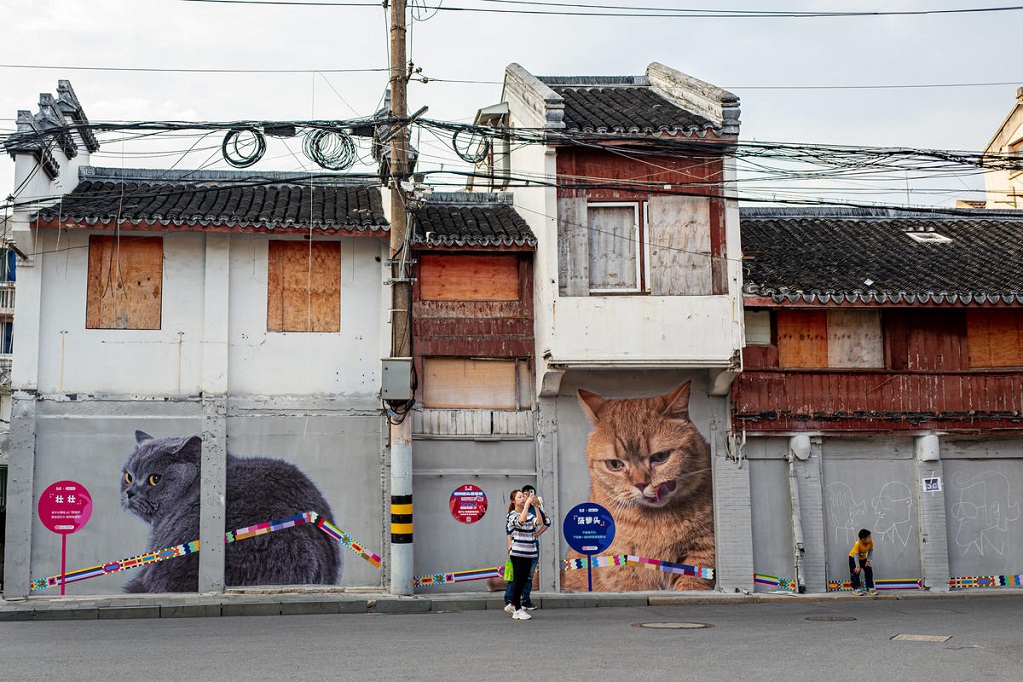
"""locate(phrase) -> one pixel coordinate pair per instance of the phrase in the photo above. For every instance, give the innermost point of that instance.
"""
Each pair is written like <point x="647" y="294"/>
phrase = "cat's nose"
<point x="129" y="493"/>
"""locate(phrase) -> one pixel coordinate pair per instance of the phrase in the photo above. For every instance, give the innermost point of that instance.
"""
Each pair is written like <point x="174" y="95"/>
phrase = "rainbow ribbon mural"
<point x="457" y="576"/>
<point x="777" y="583"/>
<point x="965" y="582"/>
<point x="883" y="584"/>
<point x="193" y="548"/>
<point x="637" y="561"/>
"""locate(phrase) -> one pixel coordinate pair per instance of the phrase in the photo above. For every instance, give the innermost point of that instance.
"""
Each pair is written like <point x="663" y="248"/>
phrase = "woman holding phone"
<point x="521" y="546"/>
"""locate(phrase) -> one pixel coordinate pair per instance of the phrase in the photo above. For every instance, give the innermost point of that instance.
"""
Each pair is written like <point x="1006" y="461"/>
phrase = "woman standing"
<point x="521" y="547"/>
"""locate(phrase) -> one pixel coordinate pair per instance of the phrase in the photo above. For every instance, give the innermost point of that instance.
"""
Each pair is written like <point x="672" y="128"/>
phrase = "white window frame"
<point x="639" y="245"/>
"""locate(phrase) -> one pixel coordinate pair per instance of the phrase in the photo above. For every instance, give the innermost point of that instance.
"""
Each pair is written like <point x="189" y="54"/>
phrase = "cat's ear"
<point x="141" y="437"/>
<point x="678" y="402"/>
<point x="190" y="450"/>
<point x="591" y="404"/>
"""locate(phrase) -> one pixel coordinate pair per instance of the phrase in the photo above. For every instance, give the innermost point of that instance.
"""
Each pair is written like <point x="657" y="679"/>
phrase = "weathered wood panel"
<point x="854" y="338"/>
<point x="303" y="286"/>
<point x="125" y="283"/>
<point x="613" y="247"/>
<point x="678" y="233"/>
<point x="628" y="177"/>
<point x="802" y="338"/>
<point x="573" y="247"/>
<point x="926" y="340"/>
<point x="995" y="337"/>
<point x="467" y="422"/>
<point x="839" y="400"/>
<point x="463" y="382"/>
<point x="475" y="277"/>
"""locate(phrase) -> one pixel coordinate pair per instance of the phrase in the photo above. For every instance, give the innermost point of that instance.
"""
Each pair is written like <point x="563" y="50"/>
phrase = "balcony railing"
<point x="781" y="399"/>
<point x="6" y="298"/>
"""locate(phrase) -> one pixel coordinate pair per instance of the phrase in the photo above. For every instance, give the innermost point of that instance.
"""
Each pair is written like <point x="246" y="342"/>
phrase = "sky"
<point x="800" y="80"/>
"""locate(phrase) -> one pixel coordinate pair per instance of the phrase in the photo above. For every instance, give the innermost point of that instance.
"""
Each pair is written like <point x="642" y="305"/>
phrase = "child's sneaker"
<point x="509" y="608"/>
<point x="529" y="606"/>
<point x="859" y="593"/>
<point x="521" y="615"/>
<point x="872" y="592"/>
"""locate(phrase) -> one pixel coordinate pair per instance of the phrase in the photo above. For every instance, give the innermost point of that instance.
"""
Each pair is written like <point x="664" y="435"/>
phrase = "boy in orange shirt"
<point x="862" y="550"/>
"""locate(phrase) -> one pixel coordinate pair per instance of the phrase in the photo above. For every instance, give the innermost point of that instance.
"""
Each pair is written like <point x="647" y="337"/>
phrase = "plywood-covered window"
<point x="995" y="337"/>
<point x="833" y="338"/>
<point x="125" y="285"/>
<point x="449" y="277"/>
<point x="475" y="383"/>
<point x="614" y="247"/>
<point x="678" y="233"/>
<point x="303" y="287"/>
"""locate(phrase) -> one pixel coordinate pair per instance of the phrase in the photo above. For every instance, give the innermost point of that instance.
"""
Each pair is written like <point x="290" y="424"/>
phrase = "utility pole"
<point x="401" y="311"/>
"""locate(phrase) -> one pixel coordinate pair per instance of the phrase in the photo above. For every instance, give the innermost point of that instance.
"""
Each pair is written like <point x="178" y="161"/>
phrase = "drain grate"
<point x="921" y="638"/>
<point x="830" y="619"/>
<point x="673" y="626"/>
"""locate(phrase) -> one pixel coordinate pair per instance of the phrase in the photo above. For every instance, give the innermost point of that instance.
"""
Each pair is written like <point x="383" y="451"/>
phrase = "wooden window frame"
<point x="640" y="245"/>
<point x="125" y="304"/>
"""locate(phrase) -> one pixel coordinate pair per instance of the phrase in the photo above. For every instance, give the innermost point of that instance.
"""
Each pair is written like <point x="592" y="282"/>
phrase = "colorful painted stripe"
<point x="193" y="547"/>
<point x="882" y="584"/>
<point x="347" y="540"/>
<point x="775" y="582"/>
<point x="965" y="582"/>
<point x="457" y="576"/>
<point x="639" y="562"/>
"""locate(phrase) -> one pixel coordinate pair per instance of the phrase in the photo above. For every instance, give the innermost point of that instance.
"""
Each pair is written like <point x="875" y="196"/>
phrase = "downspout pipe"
<point x="799" y="449"/>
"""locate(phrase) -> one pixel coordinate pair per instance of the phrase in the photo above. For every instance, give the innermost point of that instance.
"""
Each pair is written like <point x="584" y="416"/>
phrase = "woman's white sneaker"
<point x="521" y="615"/>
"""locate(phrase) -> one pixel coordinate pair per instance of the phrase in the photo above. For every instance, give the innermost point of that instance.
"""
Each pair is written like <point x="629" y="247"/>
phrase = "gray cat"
<point x="160" y="485"/>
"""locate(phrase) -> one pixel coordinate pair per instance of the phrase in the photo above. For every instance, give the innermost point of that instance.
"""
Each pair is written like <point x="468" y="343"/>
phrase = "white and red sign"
<point x="468" y="504"/>
<point x="65" y="507"/>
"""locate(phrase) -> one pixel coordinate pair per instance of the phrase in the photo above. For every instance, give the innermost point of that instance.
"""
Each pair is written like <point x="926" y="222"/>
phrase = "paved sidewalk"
<point x="275" y="603"/>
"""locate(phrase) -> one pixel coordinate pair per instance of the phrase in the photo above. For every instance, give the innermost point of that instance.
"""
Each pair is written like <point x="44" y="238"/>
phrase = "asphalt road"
<point x="792" y="641"/>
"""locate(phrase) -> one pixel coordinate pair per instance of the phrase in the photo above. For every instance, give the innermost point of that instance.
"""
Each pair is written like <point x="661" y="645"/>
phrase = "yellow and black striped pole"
<point x="401" y="519"/>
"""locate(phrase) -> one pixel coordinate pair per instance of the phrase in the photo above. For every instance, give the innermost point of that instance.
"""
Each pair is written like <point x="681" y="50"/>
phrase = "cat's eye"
<point x="614" y="464"/>
<point x="154" y="479"/>
<point x="127" y="478"/>
<point x="660" y="457"/>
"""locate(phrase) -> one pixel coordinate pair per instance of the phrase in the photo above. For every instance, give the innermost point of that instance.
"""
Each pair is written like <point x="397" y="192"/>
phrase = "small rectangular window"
<point x="125" y="286"/>
<point x="303" y="286"/>
<point x="614" y="247"/>
<point x="995" y="337"/>
<point x="471" y="383"/>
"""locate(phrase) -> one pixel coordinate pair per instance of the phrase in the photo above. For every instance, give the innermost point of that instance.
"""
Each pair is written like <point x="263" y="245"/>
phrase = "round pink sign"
<point x="65" y="507"/>
<point x="468" y="504"/>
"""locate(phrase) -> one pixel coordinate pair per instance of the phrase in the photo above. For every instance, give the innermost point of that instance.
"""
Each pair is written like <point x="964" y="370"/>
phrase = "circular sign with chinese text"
<point x="589" y="528"/>
<point x="468" y="504"/>
<point x="65" y="507"/>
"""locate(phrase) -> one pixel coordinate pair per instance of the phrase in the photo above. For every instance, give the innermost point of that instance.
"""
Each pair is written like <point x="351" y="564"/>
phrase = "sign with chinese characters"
<point x="589" y="528"/>
<point x="65" y="507"/>
<point x="468" y="504"/>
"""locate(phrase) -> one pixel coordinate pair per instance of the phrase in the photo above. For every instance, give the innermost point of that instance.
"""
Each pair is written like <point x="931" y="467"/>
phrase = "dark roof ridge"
<point x="470" y="198"/>
<point x="879" y="213"/>
<point x="174" y="175"/>
<point x="587" y="81"/>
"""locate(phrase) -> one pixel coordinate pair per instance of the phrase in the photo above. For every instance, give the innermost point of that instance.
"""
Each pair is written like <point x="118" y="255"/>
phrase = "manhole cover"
<point x="673" y="626"/>
<point x="830" y="619"/>
<point x="921" y="638"/>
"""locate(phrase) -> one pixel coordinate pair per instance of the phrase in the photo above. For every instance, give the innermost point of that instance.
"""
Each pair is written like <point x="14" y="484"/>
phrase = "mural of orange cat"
<point x="650" y="467"/>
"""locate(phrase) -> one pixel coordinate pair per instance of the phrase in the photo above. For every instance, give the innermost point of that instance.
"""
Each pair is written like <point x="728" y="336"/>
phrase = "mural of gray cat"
<point x="160" y="485"/>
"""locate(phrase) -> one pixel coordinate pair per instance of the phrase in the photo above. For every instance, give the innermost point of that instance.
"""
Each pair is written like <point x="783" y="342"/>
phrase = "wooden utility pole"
<point x="401" y="310"/>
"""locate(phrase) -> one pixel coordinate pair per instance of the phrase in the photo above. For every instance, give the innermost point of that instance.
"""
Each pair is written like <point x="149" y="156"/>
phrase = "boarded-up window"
<point x="469" y="278"/>
<point x="303" y="287"/>
<point x="613" y="235"/>
<point x="854" y="338"/>
<point x="470" y="383"/>
<point x="995" y="338"/>
<point x="125" y="287"/>
<point x="802" y="338"/>
<point x="678" y="232"/>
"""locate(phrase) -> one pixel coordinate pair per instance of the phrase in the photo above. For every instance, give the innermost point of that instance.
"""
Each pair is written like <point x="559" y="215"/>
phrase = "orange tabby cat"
<point x="650" y="468"/>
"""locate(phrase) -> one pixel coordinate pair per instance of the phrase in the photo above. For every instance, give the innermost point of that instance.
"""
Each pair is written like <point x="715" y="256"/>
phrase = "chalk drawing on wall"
<point x="893" y="508"/>
<point x="843" y="511"/>
<point x="983" y="507"/>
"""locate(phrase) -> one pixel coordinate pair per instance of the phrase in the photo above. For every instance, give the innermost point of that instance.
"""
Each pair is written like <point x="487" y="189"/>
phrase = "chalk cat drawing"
<point x="160" y="485"/>
<point x="650" y="467"/>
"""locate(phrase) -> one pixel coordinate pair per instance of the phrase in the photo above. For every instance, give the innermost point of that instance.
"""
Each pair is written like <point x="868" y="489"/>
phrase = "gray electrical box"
<point x="396" y="379"/>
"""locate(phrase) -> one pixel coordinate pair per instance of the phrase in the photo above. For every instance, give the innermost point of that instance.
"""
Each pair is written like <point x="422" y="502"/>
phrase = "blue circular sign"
<point x="589" y="528"/>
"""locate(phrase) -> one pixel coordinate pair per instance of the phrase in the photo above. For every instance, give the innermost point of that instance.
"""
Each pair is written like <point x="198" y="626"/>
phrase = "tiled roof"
<point x="470" y="219"/>
<point x="866" y="256"/>
<point x="621" y="105"/>
<point x="219" y="200"/>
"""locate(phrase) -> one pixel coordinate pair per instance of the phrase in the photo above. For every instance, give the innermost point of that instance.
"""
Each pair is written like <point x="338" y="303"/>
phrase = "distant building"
<point x="1005" y="187"/>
